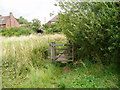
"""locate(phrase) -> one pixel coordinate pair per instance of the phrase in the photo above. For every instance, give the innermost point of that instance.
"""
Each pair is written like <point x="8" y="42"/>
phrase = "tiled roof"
<point x="54" y="19"/>
<point x="3" y="19"/>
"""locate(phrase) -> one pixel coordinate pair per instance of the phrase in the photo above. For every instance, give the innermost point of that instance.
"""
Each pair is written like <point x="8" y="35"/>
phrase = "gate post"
<point x="52" y="51"/>
<point x="72" y="50"/>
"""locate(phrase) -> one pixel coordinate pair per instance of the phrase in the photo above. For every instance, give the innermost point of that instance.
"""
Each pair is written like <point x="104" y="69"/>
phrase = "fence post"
<point x="52" y="51"/>
<point x="73" y="51"/>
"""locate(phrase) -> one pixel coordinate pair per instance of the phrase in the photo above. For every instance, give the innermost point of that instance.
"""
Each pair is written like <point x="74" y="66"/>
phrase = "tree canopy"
<point x="22" y="20"/>
<point x="36" y="24"/>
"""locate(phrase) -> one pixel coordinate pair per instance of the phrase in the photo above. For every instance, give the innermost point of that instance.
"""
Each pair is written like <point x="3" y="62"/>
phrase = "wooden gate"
<point x="62" y="52"/>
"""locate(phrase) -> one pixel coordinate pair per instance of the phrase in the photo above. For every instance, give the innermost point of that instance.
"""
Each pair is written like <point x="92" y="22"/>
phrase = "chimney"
<point x="11" y="15"/>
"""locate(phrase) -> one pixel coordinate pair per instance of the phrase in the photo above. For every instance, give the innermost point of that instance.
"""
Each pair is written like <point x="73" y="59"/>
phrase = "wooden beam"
<point x="72" y="51"/>
<point x="62" y="53"/>
<point x="61" y="44"/>
<point x="63" y="56"/>
<point x="61" y="48"/>
<point x="52" y="51"/>
<point x="64" y="60"/>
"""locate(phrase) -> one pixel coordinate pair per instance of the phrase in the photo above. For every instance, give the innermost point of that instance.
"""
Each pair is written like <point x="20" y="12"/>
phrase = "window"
<point x="1" y="25"/>
<point x="52" y="22"/>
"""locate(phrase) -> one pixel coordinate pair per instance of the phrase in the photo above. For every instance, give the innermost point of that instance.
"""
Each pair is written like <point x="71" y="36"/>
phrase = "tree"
<point x="93" y="27"/>
<point x="45" y="26"/>
<point x="51" y="28"/>
<point x="21" y="20"/>
<point x="36" y="24"/>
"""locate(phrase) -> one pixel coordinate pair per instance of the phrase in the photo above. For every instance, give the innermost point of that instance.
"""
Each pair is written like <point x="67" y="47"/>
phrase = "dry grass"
<point x="26" y="65"/>
<point x="38" y="37"/>
<point x="20" y="54"/>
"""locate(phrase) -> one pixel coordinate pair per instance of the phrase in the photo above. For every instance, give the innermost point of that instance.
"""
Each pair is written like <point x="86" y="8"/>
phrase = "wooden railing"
<point x="65" y="52"/>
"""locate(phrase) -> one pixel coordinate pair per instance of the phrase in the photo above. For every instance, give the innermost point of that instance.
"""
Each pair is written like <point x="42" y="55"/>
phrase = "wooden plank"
<point x="72" y="52"/>
<point x="61" y="48"/>
<point x="63" y="56"/>
<point x="64" y="60"/>
<point x="62" y="53"/>
<point x="52" y="51"/>
<point x="61" y="44"/>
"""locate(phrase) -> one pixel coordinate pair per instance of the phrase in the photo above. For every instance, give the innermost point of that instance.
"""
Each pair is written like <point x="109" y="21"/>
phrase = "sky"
<point x="29" y="9"/>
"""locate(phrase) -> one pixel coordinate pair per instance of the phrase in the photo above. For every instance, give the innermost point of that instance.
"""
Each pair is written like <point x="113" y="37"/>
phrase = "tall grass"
<point x="26" y="64"/>
<point x="26" y="54"/>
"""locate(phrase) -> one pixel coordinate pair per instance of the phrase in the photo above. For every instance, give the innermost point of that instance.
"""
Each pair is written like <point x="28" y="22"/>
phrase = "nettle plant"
<point x="93" y="27"/>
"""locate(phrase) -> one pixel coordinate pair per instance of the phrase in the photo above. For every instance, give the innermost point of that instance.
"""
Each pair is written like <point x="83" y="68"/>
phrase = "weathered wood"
<point x="61" y="48"/>
<point x="63" y="56"/>
<point x="52" y="51"/>
<point x="64" y="60"/>
<point x="62" y="53"/>
<point x="66" y="56"/>
<point x="72" y="52"/>
<point x="61" y="44"/>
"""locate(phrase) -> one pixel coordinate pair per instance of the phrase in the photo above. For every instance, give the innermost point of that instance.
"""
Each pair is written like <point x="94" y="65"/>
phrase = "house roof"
<point x="3" y="19"/>
<point x="54" y="19"/>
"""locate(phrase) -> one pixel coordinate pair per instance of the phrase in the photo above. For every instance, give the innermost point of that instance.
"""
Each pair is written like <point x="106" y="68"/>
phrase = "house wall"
<point x="12" y="22"/>
<point x="50" y="23"/>
<point x="7" y="25"/>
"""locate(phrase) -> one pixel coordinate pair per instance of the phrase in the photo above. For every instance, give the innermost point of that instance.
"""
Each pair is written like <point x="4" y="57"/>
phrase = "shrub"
<point x="90" y="76"/>
<point x="52" y="30"/>
<point x="93" y="27"/>
<point x="35" y="24"/>
<point x="16" y="31"/>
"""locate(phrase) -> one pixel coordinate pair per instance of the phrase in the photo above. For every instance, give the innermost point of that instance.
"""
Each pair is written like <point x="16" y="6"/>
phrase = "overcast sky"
<point x="29" y="9"/>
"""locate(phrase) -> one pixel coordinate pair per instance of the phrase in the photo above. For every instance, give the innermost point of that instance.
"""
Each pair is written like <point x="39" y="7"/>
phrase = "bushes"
<point x="52" y="30"/>
<point x="90" y="76"/>
<point x="26" y="64"/>
<point x="93" y="27"/>
<point x="16" y="31"/>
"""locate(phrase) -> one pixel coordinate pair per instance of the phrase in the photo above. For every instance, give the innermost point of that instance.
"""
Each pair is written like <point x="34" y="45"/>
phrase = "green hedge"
<point x="94" y="28"/>
<point x="52" y="30"/>
<point x="16" y="31"/>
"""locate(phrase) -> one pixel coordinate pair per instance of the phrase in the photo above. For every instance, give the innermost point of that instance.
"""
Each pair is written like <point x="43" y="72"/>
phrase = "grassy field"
<point x="26" y="64"/>
<point x="25" y="57"/>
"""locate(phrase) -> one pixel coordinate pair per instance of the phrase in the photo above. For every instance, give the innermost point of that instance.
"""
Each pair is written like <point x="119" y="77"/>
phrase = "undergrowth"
<point x="24" y="56"/>
<point x="26" y="64"/>
<point x="89" y="75"/>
